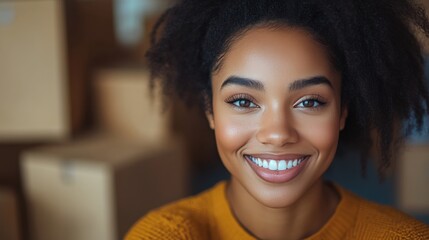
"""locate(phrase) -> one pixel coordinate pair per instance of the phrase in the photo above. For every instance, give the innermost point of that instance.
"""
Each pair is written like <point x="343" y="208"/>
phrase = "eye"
<point x="242" y="101"/>
<point x="310" y="103"/>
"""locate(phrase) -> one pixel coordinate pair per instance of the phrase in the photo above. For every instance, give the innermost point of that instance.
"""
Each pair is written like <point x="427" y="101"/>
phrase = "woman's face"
<point x="276" y="113"/>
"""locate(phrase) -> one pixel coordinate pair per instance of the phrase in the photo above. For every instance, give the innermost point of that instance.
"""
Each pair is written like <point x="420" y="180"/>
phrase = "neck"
<point x="297" y="221"/>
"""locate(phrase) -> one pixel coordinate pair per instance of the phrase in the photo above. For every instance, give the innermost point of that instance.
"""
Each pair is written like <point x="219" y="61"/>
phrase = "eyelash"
<point x="236" y="100"/>
<point x="316" y="101"/>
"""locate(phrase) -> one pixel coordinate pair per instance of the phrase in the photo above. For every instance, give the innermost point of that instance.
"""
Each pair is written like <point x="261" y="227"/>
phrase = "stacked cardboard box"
<point x="413" y="178"/>
<point x="33" y="99"/>
<point x="9" y="215"/>
<point x="98" y="187"/>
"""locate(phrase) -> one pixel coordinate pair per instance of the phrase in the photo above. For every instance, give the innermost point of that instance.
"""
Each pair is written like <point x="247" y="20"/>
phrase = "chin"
<point x="275" y="196"/>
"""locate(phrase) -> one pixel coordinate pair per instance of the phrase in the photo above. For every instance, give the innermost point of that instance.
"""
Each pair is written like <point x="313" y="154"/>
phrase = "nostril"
<point x="277" y="127"/>
<point x="277" y="137"/>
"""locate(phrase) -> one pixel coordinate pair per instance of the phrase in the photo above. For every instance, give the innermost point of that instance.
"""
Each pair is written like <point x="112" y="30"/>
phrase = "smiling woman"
<point x="282" y="84"/>
<point x="290" y="111"/>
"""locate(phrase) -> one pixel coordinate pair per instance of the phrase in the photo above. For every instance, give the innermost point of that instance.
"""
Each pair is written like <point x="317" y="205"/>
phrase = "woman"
<point x="283" y="82"/>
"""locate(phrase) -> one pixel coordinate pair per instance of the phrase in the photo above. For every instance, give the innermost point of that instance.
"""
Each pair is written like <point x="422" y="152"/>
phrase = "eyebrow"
<point x="257" y="85"/>
<point x="246" y="82"/>
<point x="300" y="84"/>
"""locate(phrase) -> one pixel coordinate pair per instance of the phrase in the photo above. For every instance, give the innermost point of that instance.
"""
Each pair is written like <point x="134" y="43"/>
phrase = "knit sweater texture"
<point x="208" y="216"/>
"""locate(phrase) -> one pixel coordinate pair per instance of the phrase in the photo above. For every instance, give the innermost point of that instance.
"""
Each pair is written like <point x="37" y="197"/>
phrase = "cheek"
<point x="231" y="133"/>
<point x="322" y="133"/>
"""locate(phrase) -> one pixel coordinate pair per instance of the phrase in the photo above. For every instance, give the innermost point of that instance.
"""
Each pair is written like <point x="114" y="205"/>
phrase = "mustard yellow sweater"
<point x="208" y="216"/>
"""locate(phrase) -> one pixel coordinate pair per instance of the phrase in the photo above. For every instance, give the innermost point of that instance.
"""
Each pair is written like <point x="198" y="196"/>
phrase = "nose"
<point x="277" y="129"/>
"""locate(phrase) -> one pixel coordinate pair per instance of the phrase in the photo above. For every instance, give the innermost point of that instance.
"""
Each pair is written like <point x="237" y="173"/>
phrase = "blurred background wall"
<point x="85" y="149"/>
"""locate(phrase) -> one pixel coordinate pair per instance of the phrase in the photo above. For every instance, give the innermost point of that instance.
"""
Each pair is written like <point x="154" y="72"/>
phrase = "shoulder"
<point x="383" y="222"/>
<point x="393" y="222"/>
<point x="188" y="218"/>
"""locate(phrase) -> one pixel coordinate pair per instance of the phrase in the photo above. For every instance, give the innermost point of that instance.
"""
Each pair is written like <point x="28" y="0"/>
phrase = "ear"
<point x="210" y="119"/>
<point x="343" y="117"/>
<point x="209" y="111"/>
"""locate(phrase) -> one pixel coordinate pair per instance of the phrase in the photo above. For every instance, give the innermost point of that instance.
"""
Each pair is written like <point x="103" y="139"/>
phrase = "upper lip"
<point x="278" y="156"/>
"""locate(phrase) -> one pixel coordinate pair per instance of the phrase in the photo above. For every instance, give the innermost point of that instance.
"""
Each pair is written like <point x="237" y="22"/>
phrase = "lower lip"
<point x="278" y="176"/>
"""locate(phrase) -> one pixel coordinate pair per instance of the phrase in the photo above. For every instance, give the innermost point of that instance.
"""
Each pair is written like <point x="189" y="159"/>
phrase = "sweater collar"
<point x="228" y="226"/>
<point x="343" y="218"/>
<point x="336" y="227"/>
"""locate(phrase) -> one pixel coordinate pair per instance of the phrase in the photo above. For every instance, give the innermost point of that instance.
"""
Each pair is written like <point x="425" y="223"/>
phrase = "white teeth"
<point x="282" y="165"/>
<point x="272" y="165"/>
<point x="265" y="164"/>
<point x="275" y="165"/>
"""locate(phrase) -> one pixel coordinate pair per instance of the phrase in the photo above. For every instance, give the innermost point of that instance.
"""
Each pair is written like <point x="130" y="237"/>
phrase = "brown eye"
<point x="243" y="103"/>
<point x="310" y="103"/>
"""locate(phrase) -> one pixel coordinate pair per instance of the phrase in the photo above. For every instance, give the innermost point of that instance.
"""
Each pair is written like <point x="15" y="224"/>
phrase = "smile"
<point x="281" y="169"/>
<point x="275" y="165"/>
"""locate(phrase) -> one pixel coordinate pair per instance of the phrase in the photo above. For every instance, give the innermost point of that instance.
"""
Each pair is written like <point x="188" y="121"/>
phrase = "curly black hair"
<point x="372" y="44"/>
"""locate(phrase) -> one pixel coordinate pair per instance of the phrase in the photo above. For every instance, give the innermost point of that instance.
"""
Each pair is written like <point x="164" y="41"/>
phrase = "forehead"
<point x="291" y="53"/>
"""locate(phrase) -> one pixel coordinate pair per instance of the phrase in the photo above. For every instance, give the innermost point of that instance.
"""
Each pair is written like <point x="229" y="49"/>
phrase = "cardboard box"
<point x="9" y="216"/>
<point x="126" y="107"/>
<point x="413" y="179"/>
<point x="98" y="187"/>
<point x="33" y="99"/>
